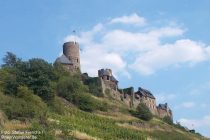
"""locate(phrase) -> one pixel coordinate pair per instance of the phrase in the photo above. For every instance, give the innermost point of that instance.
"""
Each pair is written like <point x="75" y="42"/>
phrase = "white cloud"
<point x="143" y="51"/>
<point x="86" y="37"/>
<point x="133" y="19"/>
<point x="203" y="123"/>
<point x="183" y="51"/>
<point x="166" y="32"/>
<point x="97" y="58"/>
<point x="188" y="104"/>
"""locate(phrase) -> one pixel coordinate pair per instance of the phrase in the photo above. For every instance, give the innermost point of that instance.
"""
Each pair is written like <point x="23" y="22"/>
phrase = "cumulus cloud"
<point x="97" y="58"/>
<point x="132" y="19"/>
<point x="145" y="51"/>
<point x="183" y="51"/>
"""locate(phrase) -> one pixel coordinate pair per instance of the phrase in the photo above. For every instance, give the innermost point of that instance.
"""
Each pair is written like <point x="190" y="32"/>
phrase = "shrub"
<point x="143" y="112"/>
<point x="8" y="81"/>
<point x="179" y="126"/>
<point x="94" y="86"/>
<point x="25" y="105"/>
<point x="168" y="120"/>
<point x="57" y="106"/>
<point x="84" y="102"/>
<point x="67" y="86"/>
<point x="75" y="92"/>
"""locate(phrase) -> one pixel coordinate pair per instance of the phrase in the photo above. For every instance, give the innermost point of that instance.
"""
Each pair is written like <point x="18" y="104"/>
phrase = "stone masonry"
<point x="70" y="59"/>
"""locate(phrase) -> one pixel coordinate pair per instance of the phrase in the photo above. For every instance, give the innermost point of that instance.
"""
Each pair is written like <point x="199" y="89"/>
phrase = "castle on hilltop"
<point x="70" y="59"/>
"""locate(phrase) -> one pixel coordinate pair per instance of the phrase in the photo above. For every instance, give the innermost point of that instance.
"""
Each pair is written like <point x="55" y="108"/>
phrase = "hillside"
<point x="77" y="124"/>
<point x="43" y="101"/>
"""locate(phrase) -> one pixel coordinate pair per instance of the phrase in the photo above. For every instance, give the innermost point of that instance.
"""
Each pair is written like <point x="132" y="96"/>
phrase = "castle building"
<point x="146" y="97"/>
<point x="164" y="110"/>
<point x="70" y="58"/>
<point x="107" y="79"/>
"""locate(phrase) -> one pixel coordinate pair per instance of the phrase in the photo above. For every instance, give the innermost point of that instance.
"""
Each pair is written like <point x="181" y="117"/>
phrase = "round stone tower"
<point x="71" y="51"/>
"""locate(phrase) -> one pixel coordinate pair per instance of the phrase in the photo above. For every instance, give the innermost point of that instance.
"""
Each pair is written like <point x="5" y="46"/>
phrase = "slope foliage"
<point x="36" y="95"/>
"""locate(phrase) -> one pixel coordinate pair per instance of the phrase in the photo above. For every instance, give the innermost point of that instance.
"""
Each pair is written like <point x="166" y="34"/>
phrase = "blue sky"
<point x="163" y="46"/>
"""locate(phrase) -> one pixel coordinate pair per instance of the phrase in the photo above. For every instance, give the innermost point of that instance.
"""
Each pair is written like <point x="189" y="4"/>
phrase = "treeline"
<point x="28" y="89"/>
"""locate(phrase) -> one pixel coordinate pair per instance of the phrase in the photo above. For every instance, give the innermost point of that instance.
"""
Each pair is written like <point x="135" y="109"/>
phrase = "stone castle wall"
<point x="108" y="86"/>
<point x="163" y="113"/>
<point x="108" y="82"/>
<point x="149" y="102"/>
<point x="71" y="51"/>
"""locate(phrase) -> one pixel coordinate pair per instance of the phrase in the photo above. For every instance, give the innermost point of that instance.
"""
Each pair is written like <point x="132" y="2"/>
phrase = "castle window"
<point x="107" y="77"/>
<point x="77" y="60"/>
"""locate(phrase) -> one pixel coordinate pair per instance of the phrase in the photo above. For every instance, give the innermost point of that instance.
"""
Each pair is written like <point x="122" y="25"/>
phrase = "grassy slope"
<point x="106" y="125"/>
<point x="117" y="124"/>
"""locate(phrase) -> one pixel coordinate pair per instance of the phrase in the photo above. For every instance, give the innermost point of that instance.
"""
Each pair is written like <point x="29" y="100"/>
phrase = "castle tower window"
<point x="107" y="77"/>
<point x="77" y="60"/>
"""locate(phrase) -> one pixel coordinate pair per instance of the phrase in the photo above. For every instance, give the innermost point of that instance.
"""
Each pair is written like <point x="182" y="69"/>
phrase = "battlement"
<point x="107" y="79"/>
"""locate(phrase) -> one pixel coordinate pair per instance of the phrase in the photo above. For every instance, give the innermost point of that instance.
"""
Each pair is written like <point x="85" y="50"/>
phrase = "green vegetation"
<point x="75" y="92"/>
<point x="168" y="120"/>
<point x="36" y="74"/>
<point x="24" y="106"/>
<point x="35" y="95"/>
<point x="94" y="86"/>
<point x="96" y="126"/>
<point x="143" y="112"/>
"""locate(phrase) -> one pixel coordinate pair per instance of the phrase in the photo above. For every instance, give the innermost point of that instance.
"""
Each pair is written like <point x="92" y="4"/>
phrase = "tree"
<point x="8" y="73"/>
<point x="10" y="60"/>
<point x="37" y="74"/>
<point x="143" y="112"/>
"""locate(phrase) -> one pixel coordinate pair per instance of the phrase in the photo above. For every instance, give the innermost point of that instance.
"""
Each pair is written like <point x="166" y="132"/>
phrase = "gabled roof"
<point x="144" y="92"/>
<point x="163" y="106"/>
<point x="63" y="60"/>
